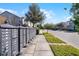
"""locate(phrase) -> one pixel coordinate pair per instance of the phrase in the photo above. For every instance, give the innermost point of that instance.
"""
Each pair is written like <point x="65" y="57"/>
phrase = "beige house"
<point x="12" y="19"/>
<point x="2" y="19"/>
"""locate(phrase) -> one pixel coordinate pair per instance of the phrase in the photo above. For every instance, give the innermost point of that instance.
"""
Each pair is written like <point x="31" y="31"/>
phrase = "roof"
<point x="10" y="13"/>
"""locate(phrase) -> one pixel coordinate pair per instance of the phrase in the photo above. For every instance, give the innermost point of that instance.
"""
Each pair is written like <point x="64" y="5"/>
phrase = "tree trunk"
<point x="47" y="30"/>
<point x="33" y="24"/>
<point x="78" y="33"/>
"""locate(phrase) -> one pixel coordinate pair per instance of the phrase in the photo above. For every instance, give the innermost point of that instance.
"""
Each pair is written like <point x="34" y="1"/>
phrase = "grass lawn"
<point x="64" y="50"/>
<point x="52" y="39"/>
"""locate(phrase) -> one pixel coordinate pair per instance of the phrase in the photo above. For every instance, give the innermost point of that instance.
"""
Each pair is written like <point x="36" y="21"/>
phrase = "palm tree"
<point x="34" y="14"/>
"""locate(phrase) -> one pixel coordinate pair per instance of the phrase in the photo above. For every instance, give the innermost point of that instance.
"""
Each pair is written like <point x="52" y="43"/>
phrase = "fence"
<point x="13" y="39"/>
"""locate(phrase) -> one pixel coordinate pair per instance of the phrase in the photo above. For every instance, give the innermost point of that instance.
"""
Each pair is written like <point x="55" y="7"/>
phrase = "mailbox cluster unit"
<point x="27" y="35"/>
<point x="13" y="39"/>
<point x="5" y="42"/>
<point x="21" y="39"/>
<point x="32" y="33"/>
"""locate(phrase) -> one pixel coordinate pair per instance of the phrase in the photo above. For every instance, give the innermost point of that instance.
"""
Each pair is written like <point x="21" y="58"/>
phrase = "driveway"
<point x="71" y="38"/>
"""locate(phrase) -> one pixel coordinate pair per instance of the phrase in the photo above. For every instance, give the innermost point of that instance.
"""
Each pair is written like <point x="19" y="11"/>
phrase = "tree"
<point x="49" y="26"/>
<point x="40" y="26"/>
<point x="61" y="26"/>
<point x="34" y="14"/>
<point x="75" y="13"/>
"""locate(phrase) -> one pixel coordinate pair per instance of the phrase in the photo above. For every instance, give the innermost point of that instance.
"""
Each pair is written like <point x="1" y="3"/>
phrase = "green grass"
<point x="52" y="39"/>
<point x="64" y="50"/>
<point x="60" y="50"/>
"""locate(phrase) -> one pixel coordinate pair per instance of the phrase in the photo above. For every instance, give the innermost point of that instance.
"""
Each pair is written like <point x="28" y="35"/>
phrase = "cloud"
<point x="66" y="18"/>
<point x="52" y="18"/>
<point x="49" y="15"/>
<point x="25" y="10"/>
<point x="9" y="10"/>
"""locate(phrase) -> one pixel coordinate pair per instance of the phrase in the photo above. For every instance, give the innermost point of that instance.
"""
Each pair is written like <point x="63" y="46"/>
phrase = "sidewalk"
<point x="38" y="47"/>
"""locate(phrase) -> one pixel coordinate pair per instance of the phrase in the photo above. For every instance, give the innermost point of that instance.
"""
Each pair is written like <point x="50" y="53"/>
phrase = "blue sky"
<point x="54" y="12"/>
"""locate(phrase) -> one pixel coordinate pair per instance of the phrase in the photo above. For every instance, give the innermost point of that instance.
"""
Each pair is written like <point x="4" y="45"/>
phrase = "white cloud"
<point x="25" y="10"/>
<point x="52" y="18"/>
<point x="66" y="18"/>
<point x="49" y="15"/>
<point x="9" y="10"/>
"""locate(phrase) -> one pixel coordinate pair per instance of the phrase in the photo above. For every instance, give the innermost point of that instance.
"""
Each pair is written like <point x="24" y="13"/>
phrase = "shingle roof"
<point x="9" y="13"/>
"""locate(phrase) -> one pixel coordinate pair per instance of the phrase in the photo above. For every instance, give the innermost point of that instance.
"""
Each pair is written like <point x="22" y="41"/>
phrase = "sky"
<point x="54" y="12"/>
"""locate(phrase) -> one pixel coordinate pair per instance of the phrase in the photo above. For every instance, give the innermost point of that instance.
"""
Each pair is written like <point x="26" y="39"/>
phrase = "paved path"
<point x="69" y="37"/>
<point x="38" y="47"/>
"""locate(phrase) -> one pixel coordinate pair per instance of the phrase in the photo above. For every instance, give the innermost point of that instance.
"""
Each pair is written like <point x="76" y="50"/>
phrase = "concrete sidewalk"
<point x="38" y="47"/>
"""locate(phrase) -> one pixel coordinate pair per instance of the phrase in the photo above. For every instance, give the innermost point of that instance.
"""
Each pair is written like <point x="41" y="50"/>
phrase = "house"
<point x="69" y="25"/>
<point x="61" y="26"/>
<point x="28" y="23"/>
<point x="12" y="19"/>
<point x="2" y="20"/>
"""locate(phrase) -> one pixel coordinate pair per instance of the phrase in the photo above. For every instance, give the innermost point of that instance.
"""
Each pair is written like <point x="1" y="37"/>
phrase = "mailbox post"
<point x="19" y="40"/>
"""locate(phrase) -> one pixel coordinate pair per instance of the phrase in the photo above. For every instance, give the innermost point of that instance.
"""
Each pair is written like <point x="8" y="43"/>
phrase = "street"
<point x="71" y="38"/>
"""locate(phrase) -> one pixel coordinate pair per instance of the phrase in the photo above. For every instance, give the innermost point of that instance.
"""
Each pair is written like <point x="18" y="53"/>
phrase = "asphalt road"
<point x="71" y="38"/>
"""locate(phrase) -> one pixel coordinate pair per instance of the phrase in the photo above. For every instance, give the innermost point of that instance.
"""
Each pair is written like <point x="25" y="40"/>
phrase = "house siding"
<point x="12" y="19"/>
